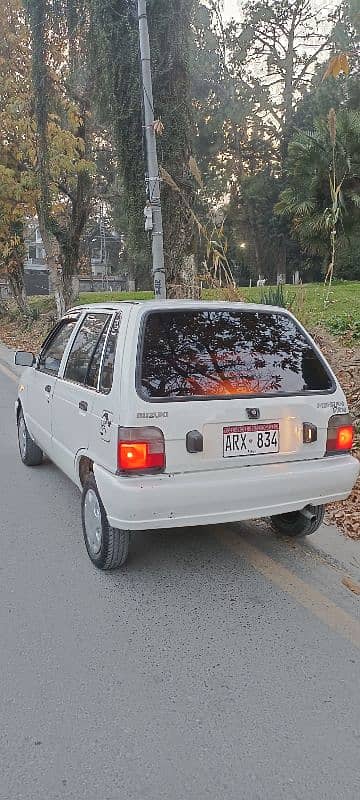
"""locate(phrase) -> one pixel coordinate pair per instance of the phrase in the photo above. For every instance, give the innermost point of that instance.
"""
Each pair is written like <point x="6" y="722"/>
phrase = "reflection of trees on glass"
<point x="227" y="352"/>
<point x="93" y="370"/>
<point x="85" y="345"/>
<point x="107" y="372"/>
<point x="53" y="350"/>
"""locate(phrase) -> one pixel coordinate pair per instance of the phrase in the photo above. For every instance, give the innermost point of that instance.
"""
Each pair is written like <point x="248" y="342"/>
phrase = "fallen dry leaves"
<point x="344" y="358"/>
<point x="26" y="335"/>
<point x="351" y="585"/>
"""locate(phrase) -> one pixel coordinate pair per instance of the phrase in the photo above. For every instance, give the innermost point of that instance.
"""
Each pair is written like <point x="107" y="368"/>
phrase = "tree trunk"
<point x="53" y="260"/>
<point x="289" y="89"/>
<point x="282" y="262"/>
<point x="70" y="289"/>
<point x="189" y="278"/>
<point x="178" y="236"/>
<point x="64" y="283"/>
<point x="17" y="285"/>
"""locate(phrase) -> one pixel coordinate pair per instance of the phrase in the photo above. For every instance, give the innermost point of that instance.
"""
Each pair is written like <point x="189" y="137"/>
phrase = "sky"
<point x="231" y="7"/>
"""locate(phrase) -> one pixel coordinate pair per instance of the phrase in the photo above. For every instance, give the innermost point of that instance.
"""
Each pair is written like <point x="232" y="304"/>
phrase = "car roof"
<point x="171" y="305"/>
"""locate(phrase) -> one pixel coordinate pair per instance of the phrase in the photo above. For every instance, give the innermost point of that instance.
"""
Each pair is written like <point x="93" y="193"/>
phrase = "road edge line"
<point x="307" y="596"/>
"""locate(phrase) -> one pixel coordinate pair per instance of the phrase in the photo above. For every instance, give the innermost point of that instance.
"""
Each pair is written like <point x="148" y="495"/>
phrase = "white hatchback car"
<point x="180" y="413"/>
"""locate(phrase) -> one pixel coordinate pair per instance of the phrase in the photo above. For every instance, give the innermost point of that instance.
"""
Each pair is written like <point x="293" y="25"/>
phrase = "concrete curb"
<point x="338" y="550"/>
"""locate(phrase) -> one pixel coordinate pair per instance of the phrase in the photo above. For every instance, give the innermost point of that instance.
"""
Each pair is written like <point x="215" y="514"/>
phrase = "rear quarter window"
<point x="226" y="353"/>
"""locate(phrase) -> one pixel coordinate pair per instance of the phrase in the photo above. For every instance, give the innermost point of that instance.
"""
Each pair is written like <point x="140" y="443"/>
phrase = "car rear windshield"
<point x="223" y="353"/>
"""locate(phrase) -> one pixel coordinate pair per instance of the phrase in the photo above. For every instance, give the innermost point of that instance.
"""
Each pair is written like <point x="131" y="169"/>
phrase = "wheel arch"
<point x="18" y="408"/>
<point x="84" y="468"/>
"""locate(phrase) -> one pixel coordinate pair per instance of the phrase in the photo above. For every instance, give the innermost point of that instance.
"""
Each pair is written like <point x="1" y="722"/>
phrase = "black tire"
<point x="108" y="548"/>
<point x="30" y="453"/>
<point x="299" y="523"/>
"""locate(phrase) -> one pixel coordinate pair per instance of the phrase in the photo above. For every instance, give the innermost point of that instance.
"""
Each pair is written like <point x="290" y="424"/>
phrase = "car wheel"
<point x="30" y="453"/>
<point x="107" y="547"/>
<point x="299" y="523"/>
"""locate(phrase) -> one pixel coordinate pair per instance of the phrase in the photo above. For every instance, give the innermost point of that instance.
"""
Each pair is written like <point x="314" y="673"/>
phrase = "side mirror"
<point x="24" y="359"/>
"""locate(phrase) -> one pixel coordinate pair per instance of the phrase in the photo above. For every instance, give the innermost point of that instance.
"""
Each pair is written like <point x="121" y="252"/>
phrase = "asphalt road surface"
<point x="221" y="663"/>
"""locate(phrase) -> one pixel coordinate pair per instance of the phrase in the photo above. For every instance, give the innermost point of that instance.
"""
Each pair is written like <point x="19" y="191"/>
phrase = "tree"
<point x="322" y="200"/>
<point x="170" y="31"/>
<point x="228" y="109"/>
<point x="114" y="47"/>
<point x="339" y="90"/>
<point x="261" y="231"/>
<point x="282" y="41"/>
<point x="17" y="180"/>
<point x="62" y="86"/>
<point x="346" y="40"/>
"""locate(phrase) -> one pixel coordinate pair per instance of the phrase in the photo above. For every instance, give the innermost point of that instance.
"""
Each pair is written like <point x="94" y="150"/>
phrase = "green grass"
<point x="105" y="297"/>
<point x="338" y="311"/>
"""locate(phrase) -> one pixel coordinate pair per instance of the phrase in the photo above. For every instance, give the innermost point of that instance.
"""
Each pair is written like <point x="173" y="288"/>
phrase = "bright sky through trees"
<point x="232" y="7"/>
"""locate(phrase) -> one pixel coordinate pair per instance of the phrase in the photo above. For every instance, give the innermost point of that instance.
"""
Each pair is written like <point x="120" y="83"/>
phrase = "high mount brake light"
<point x="340" y="437"/>
<point x="141" y="450"/>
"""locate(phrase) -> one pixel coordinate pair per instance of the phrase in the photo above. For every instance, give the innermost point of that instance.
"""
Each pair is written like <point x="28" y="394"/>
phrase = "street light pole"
<point x="152" y="159"/>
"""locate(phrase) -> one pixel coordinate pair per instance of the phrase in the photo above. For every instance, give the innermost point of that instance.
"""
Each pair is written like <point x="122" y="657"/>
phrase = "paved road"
<point x="221" y="664"/>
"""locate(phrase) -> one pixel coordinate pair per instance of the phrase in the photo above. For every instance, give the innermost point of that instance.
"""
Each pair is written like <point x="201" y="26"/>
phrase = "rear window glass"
<point x="217" y="353"/>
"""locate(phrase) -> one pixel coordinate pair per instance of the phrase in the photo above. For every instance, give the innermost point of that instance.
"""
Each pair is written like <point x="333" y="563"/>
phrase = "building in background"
<point x="102" y="267"/>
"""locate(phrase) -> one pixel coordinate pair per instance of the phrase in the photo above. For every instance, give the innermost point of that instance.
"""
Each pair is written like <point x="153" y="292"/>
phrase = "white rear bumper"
<point x="231" y="495"/>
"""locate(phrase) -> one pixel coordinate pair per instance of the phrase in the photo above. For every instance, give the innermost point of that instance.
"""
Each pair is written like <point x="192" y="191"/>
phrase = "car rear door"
<point x="76" y="389"/>
<point x="233" y="387"/>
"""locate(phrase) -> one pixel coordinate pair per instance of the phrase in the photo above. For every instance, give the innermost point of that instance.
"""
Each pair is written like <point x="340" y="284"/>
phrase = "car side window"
<point x="107" y="372"/>
<point x="93" y="372"/>
<point x="86" y="350"/>
<point x="55" y="345"/>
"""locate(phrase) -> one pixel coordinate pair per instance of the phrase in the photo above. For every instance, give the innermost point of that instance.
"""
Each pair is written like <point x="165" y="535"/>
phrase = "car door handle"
<point x="83" y="406"/>
<point x="48" y="389"/>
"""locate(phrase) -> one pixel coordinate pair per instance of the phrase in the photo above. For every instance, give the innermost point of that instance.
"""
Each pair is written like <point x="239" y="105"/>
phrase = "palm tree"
<point x="322" y="200"/>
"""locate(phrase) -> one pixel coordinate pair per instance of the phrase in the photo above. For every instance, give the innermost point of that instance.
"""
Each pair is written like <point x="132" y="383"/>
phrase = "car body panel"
<point x="219" y="496"/>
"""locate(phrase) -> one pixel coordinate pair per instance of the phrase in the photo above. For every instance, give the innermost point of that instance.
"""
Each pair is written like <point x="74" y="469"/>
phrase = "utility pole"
<point x="152" y="159"/>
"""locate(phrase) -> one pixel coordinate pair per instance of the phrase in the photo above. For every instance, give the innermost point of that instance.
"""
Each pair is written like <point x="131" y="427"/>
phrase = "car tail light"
<point x="340" y="437"/>
<point x="141" y="450"/>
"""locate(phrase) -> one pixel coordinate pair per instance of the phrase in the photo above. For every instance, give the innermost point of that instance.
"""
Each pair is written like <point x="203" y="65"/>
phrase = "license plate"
<point x="251" y="440"/>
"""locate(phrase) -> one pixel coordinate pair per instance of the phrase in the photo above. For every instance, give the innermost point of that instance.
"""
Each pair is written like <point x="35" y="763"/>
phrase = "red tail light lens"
<point x="141" y="450"/>
<point x="340" y="438"/>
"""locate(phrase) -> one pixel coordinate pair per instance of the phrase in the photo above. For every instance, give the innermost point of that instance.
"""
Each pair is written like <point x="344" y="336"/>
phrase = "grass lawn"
<point x="338" y="311"/>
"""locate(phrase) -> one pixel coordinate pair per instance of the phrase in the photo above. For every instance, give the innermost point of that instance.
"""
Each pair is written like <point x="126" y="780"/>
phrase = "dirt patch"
<point x="26" y="333"/>
<point x="344" y="357"/>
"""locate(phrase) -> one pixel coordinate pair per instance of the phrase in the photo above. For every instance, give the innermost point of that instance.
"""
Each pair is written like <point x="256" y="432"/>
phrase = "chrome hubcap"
<point x="22" y="436"/>
<point x="92" y="518"/>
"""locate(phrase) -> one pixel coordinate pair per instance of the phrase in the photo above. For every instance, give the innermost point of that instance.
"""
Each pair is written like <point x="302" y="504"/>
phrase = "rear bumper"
<point x="231" y="495"/>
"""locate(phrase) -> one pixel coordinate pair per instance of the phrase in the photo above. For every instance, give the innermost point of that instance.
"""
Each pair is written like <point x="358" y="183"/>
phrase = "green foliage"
<point x="228" y="94"/>
<point x="107" y="297"/>
<point x="274" y="296"/>
<point x="114" y="48"/>
<point x="61" y="88"/>
<point x="345" y="324"/>
<point x="306" y="302"/>
<point x="308" y="199"/>
<point x="264" y="237"/>
<point x="113" y="43"/>
<point x="281" y="41"/>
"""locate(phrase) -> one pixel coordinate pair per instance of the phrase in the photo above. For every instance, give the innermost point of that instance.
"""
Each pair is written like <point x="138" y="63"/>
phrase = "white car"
<point x="181" y="413"/>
